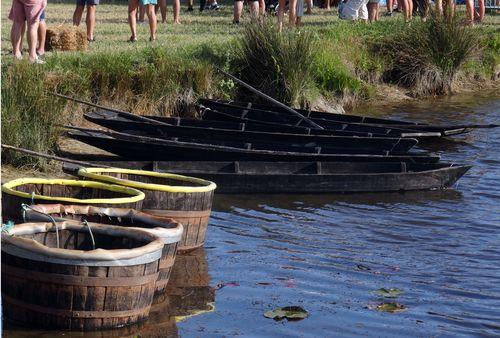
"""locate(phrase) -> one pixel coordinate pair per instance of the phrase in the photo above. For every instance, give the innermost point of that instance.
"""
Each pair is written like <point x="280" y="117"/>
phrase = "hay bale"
<point x="66" y="38"/>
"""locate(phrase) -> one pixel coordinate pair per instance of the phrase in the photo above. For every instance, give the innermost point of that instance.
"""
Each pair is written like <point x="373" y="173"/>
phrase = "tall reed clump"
<point x="428" y="56"/>
<point x="30" y="117"/>
<point x="279" y="64"/>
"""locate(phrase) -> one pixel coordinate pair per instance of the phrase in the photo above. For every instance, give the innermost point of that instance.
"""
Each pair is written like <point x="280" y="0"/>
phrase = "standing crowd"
<point x="28" y="16"/>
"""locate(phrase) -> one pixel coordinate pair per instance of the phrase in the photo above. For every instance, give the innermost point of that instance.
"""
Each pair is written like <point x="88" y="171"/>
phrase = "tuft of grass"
<point x="29" y="116"/>
<point x="428" y="56"/>
<point x="279" y="64"/>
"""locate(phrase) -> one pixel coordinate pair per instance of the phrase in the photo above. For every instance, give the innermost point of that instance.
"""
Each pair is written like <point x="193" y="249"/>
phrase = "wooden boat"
<point x="49" y="191"/>
<point x="225" y="112"/>
<point x="75" y="276"/>
<point x="167" y="229"/>
<point x="339" y="144"/>
<point x="185" y="199"/>
<point x="146" y="148"/>
<point x="445" y="130"/>
<point x="311" y="177"/>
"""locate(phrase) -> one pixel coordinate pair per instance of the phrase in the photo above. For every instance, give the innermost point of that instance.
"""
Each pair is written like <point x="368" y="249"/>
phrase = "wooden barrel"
<point x="43" y="191"/>
<point x="186" y="199"/>
<point x="95" y="280"/>
<point x="167" y="229"/>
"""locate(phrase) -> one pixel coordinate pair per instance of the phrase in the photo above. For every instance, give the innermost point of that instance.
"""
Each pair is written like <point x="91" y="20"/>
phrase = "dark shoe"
<point x="190" y="9"/>
<point x="214" y="7"/>
<point x="132" y="40"/>
<point x="389" y="14"/>
<point x="91" y="40"/>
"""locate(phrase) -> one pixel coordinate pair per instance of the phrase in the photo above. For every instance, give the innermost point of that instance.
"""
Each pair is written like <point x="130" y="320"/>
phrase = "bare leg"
<point x="190" y="5"/>
<point x="42" y="31"/>
<point x="132" y="9"/>
<point x="262" y="7"/>
<point x="16" y="34"/>
<point x="77" y="15"/>
<point x="177" y="11"/>
<point x="281" y="14"/>
<point x="90" y="21"/>
<point x="150" y="11"/>
<point x="481" y="13"/>
<point x="142" y="13"/>
<point x="292" y="7"/>
<point x="326" y="4"/>
<point x="371" y="11"/>
<point x="163" y="10"/>
<point x="309" y="4"/>
<point x="254" y="9"/>
<point x="390" y="3"/>
<point x="439" y="6"/>
<point x="237" y="9"/>
<point x="32" y="40"/>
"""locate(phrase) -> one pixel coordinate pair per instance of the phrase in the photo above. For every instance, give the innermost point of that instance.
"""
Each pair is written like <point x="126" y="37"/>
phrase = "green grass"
<point x="337" y="62"/>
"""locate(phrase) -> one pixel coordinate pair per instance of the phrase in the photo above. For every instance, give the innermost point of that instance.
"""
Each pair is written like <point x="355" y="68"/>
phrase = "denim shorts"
<point x="42" y="16"/>
<point x="148" y="2"/>
<point x="87" y="2"/>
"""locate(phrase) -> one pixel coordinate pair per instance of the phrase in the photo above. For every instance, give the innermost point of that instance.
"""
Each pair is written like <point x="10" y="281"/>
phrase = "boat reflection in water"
<point x="188" y="293"/>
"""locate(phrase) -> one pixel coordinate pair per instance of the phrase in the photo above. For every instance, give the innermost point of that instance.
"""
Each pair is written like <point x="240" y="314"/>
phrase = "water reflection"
<point x="188" y="293"/>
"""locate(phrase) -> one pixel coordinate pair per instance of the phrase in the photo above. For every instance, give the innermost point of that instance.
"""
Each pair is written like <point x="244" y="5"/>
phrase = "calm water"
<point x="328" y="254"/>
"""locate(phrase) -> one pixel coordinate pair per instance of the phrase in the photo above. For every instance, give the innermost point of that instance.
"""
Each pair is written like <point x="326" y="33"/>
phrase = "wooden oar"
<point x="120" y="112"/>
<point x="270" y="99"/>
<point x="51" y="157"/>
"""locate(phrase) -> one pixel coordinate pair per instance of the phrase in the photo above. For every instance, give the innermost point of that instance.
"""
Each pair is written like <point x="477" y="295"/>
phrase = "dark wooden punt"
<point x="445" y="130"/>
<point x="226" y="112"/>
<point x="167" y="229"/>
<point x="311" y="177"/>
<point x="147" y="148"/>
<point x="50" y="191"/>
<point x="79" y="286"/>
<point x="185" y="199"/>
<point x="340" y="144"/>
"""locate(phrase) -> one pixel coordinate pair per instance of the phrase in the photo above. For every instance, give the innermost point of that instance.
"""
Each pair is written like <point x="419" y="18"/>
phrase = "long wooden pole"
<point x="270" y="99"/>
<point x="120" y="112"/>
<point x="51" y="157"/>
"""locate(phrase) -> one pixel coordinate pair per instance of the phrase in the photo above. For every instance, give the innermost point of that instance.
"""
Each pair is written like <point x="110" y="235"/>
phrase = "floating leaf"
<point x="391" y="307"/>
<point x="388" y="293"/>
<point x="288" y="312"/>
<point x="363" y="267"/>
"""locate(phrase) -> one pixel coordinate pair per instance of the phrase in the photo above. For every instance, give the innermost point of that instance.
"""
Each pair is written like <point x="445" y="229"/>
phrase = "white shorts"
<point x="353" y="10"/>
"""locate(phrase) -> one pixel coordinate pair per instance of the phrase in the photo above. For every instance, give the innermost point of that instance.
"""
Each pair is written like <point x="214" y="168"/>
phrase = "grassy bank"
<point x="336" y="61"/>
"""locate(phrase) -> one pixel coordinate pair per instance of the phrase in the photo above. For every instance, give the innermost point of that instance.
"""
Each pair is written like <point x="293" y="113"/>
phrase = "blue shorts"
<point x="42" y="16"/>
<point x="87" y="2"/>
<point x="148" y="2"/>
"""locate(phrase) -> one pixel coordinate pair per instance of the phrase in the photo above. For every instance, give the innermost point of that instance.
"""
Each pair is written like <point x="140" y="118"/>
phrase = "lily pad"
<point x="288" y="312"/>
<point x="388" y="293"/>
<point x="391" y="307"/>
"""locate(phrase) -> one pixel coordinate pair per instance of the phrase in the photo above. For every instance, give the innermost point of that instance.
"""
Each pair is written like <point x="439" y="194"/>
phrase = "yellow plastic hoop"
<point x="136" y="195"/>
<point x="92" y="173"/>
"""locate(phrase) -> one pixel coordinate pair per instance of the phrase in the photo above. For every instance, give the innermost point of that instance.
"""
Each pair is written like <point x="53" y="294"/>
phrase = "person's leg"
<point x="16" y="34"/>
<point x="481" y="11"/>
<point x="254" y="9"/>
<point x="439" y="6"/>
<point x="292" y="5"/>
<point x="237" y="9"/>
<point x="389" y="4"/>
<point x="190" y="5"/>
<point x="42" y="31"/>
<point x="410" y="10"/>
<point x="77" y="15"/>
<point x="262" y="7"/>
<point x="309" y="4"/>
<point x="363" y="11"/>
<point x="142" y="13"/>
<point x="132" y="8"/>
<point x="326" y="4"/>
<point x="163" y="10"/>
<point x="176" y="6"/>
<point x="281" y="13"/>
<point x="150" y="11"/>
<point x="90" y="21"/>
<point x="32" y="39"/>
<point x="371" y="11"/>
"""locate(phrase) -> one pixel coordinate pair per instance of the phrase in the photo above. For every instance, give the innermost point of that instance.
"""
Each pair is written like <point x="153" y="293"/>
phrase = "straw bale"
<point x="66" y="38"/>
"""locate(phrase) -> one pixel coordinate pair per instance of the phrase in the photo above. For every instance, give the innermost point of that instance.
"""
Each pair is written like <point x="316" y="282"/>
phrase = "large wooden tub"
<point x="185" y="199"/>
<point x="77" y="287"/>
<point x="167" y="229"/>
<point x="43" y="191"/>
